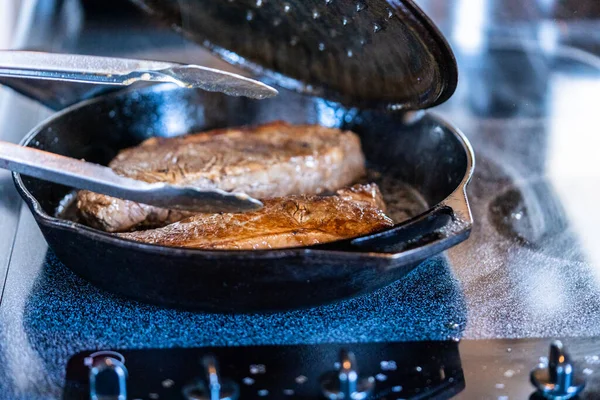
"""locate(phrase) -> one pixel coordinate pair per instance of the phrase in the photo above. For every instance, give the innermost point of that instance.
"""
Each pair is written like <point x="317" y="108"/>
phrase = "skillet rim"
<point x="429" y="248"/>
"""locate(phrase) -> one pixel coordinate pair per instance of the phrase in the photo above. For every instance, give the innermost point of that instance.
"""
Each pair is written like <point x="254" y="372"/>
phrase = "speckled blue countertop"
<point x="48" y="314"/>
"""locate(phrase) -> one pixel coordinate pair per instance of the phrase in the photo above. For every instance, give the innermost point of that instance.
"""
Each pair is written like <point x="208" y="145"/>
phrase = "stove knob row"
<point x="108" y="380"/>
<point x="346" y="383"/>
<point x="107" y="376"/>
<point x="213" y="387"/>
<point x="558" y="380"/>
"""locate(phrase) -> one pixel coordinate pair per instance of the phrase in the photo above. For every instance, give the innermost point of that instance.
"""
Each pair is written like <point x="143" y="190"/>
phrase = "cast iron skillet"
<point x="420" y="149"/>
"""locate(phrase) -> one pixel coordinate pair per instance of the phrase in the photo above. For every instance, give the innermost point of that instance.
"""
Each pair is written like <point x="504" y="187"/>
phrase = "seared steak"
<point x="272" y="160"/>
<point x="291" y="221"/>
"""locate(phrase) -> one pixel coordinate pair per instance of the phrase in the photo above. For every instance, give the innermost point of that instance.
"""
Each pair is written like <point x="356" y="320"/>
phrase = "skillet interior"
<point x="424" y="153"/>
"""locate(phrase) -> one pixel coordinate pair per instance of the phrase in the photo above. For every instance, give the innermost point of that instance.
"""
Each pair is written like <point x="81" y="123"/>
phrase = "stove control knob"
<point x="558" y="380"/>
<point x="345" y="383"/>
<point x="108" y="376"/>
<point x="213" y="387"/>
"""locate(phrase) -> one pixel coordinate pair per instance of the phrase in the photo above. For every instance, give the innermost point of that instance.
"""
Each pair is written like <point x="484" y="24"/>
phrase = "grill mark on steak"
<point x="271" y="160"/>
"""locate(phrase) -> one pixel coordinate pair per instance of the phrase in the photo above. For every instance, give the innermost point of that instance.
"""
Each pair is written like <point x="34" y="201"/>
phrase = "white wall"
<point x="8" y="12"/>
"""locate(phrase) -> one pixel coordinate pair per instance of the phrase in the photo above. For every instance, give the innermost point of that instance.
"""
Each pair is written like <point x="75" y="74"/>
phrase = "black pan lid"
<point x="363" y="53"/>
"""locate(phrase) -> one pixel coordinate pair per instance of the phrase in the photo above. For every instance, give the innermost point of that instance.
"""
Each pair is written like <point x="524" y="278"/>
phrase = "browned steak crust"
<point x="272" y="160"/>
<point x="283" y="222"/>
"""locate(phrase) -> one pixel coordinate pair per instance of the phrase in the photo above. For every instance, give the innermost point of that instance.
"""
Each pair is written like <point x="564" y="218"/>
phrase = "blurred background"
<point x="469" y="24"/>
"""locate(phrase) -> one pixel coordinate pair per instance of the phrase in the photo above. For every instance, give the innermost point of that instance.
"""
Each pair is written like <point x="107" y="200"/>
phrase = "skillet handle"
<point x="448" y="224"/>
<point x="433" y="232"/>
<point x="415" y="232"/>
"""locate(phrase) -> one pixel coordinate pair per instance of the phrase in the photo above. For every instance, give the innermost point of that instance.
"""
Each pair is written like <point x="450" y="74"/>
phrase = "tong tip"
<point x="215" y="80"/>
<point x="193" y="199"/>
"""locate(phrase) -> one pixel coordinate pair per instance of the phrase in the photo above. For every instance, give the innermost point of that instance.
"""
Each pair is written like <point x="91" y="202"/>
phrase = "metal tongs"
<point x="124" y="72"/>
<point x="118" y="71"/>
<point x="84" y="175"/>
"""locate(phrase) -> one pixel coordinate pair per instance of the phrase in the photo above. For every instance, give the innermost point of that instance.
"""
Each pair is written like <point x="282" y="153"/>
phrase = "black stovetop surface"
<point x="527" y="101"/>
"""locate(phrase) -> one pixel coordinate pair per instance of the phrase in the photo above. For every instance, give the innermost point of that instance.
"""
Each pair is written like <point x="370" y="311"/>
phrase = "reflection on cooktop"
<point x="530" y="267"/>
<point x="532" y="213"/>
